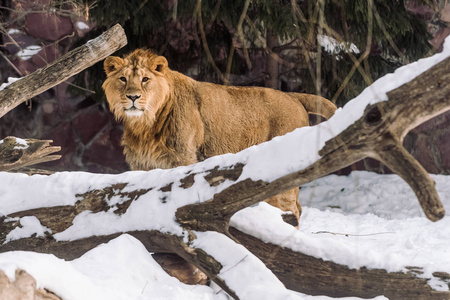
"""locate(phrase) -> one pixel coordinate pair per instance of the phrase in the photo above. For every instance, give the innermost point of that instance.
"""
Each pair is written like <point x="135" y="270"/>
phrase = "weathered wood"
<point x="63" y="68"/>
<point x="313" y="276"/>
<point x="378" y="134"/>
<point x="14" y="155"/>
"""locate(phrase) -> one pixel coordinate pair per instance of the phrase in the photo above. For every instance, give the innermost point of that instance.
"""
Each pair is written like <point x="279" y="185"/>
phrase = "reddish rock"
<point x="89" y="123"/>
<point x="439" y="38"/>
<point x="46" y="56"/>
<point x="429" y="143"/>
<point x="105" y="155"/>
<point x="62" y="135"/>
<point x="50" y="112"/>
<point x="424" y="11"/>
<point x="63" y="97"/>
<point x="48" y="26"/>
<point x="443" y="144"/>
<point x="423" y="152"/>
<point x="21" y="39"/>
<point x="24" y="66"/>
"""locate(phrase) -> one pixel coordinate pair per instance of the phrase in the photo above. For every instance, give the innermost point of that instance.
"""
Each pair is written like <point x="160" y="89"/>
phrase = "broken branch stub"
<point x="15" y="155"/>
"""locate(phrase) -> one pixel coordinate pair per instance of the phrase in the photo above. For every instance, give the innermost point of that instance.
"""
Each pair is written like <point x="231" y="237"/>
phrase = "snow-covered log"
<point x="62" y="69"/>
<point x="187" y="210"/>
<point x="17" y="153"/>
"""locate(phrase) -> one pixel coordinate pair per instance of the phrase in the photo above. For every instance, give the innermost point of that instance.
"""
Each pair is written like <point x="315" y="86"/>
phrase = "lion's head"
<point x="135" y="85"/>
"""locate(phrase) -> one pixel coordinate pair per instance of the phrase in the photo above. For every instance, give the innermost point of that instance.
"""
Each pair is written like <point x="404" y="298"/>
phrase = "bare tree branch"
<point x="60" y="70"/>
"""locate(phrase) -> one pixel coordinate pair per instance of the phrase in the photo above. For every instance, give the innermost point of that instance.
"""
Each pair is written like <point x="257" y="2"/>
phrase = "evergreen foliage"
<point x="385" y="32"/>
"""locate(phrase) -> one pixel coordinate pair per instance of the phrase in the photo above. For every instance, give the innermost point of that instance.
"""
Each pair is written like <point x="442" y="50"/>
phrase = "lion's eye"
<point x="123" y="79"/>
<point x="145" y="79"/>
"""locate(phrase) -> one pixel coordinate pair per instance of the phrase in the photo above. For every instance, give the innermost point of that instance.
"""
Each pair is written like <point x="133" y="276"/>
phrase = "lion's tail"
<point x="316" y="104"/>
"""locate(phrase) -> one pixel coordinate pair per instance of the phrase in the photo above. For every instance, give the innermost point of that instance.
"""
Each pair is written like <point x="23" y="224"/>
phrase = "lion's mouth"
<point x="133" y="111"/>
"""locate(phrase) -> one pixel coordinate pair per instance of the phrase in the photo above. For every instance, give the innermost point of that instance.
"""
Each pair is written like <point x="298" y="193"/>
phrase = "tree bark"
<point x="14" y="155"/>
<point x="313" y="276"/>
<point x="378" y="133"/>
<point x="272" y="68"/>
<point x="63" y="68"/>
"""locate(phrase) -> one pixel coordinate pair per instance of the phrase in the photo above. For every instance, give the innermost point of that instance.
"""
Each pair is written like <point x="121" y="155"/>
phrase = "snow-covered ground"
<point x="358" y="220"/>
<point x="363" y="219"/>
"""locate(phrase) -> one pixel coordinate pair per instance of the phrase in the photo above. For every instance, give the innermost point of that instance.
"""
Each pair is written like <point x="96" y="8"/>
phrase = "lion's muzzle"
<point x="133" y="97"/>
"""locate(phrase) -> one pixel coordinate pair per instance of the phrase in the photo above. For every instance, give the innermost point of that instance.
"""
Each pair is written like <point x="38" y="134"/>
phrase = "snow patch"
<point x="10" y="81"/>
<point x="332" y="46"/>
<point x="14" y="31"/>
<point x="29" y="52"/>
<point x="22" y="144"/>
<point x="30" y="226"/>
<point x="82" y="26"/>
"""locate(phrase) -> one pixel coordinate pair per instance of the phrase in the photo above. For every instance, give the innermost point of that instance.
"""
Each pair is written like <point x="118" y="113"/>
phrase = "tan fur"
<point x="180" y="121"/>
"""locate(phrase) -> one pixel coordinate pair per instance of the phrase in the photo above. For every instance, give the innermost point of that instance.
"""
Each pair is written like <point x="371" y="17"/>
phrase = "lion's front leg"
<point x="288" y="201"/>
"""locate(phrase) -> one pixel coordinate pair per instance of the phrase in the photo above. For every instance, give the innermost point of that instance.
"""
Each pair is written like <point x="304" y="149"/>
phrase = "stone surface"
<point x="47" y="55"/>
<point x="90" y="123"/>
<point x="48" y="26"/>
<point x="18" y="41"/>
<point x="105" y="154"/>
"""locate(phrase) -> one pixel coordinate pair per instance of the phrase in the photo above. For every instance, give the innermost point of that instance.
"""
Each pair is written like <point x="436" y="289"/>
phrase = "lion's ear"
<point x="160" y="64"/>
<point x="112" y="63"/>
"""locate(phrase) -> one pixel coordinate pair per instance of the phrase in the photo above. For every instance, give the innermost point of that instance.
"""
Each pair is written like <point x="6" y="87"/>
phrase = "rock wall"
<point x="87" y="131"/>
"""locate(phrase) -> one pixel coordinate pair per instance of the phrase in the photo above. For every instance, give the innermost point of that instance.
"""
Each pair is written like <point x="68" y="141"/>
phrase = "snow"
<point x="29" y="226"/>
<point x="358" y="220"/>
<point x="121" y="269"/>
<point x="363" y="219"/>
<point x="10" y="81"/>
<point x="28" y="52"/>
<point x="14" y="31"/>
<point x="82" y="26"/>
<point x="332" y="46"/>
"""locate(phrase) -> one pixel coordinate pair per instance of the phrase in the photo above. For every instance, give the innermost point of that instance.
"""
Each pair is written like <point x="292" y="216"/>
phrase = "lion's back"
<point x="238" y="117"/>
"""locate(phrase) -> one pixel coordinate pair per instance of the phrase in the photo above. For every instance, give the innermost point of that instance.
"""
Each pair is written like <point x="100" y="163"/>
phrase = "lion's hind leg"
<point x="288" y="202"/>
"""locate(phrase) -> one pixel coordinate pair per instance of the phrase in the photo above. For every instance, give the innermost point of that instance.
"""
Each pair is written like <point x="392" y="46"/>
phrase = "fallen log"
<point x="178" y="210"/>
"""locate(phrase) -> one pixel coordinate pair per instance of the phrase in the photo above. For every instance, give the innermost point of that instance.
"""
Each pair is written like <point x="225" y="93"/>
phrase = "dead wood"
<point x="378" y="134"/>
<point x="15" y="155"/>
<point x="62" y="69"/>
<point x="315" y="276"/>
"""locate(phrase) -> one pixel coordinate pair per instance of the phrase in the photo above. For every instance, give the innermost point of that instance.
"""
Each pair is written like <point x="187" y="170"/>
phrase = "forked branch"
<point x="16" y="153"/>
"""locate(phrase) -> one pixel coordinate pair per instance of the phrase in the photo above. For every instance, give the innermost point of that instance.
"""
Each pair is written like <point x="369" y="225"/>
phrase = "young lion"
<point x="172" y="120"/>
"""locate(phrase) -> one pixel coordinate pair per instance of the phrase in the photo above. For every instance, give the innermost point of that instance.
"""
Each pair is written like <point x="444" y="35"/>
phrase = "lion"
<point x="172" y="120"/>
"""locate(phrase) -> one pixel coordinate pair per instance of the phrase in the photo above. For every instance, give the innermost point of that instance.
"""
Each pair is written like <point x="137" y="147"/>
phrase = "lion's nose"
<point x="133" y="97"/>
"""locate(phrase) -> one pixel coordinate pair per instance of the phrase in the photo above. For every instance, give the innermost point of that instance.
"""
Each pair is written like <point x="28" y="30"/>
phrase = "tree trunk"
<point x="272" y="70"/>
